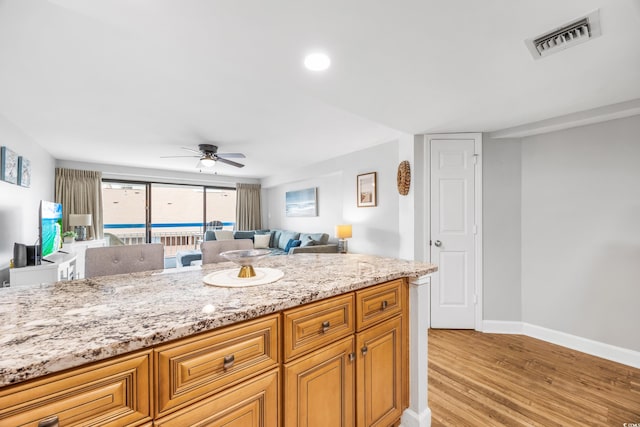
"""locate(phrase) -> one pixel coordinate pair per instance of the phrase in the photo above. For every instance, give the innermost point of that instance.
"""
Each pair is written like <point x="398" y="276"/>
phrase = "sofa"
<point x="280" y="242"/>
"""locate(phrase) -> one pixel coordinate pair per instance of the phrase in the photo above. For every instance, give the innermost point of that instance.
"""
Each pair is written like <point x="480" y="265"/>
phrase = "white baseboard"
<point x="574" y="342"/>
<point x="501" y="327"/>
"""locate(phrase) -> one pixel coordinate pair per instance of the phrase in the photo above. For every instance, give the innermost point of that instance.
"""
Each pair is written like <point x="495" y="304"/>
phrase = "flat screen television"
<point x="50" y="227"/>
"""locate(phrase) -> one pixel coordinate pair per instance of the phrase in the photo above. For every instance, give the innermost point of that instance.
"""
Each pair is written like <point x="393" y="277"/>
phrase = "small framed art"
<point x="24" y="172"/>
<point x="367" y="194"/>
<point x="9" y="167"/>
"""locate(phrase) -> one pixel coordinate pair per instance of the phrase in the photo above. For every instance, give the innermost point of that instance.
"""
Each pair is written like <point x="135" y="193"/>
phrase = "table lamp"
<point x="343" y="232"/>
<point x="80" y="222"/>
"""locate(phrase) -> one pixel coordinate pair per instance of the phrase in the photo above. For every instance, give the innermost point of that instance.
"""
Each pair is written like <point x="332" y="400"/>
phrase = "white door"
<point x="453" y="230"/>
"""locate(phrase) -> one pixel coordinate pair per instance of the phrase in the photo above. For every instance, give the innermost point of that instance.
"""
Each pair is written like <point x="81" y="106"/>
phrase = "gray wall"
<point x="581" y="231"/>
<point x="501" y="235"/>
<point x="19" y="206"/>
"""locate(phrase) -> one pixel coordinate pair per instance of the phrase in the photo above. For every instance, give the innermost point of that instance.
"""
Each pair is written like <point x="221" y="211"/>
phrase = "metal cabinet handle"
<point x="325" y="326"/>
<point x="364" y="350"/>
<point x="438" y="243"/>
<point x="352" y="357"/>
<point x="384" y="305"/>
<point x="49" y="422"/>
<point x="228" y="361"/>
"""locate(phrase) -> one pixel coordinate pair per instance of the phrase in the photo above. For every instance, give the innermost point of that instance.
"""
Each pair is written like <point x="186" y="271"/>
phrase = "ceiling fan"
<point x="208" y="154"/>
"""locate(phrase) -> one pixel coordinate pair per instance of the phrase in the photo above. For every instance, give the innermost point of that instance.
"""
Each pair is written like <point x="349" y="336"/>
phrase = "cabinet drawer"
<point x="379" y="303"/>
<point x="254" y="403"/>
<point x="193" y="368"/>
<point x="315" y="325"/>
<point x="110" y="393"/>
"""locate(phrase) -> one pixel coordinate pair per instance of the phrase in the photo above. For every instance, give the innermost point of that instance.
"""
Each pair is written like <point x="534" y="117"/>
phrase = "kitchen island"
<point x="50" y="328"/>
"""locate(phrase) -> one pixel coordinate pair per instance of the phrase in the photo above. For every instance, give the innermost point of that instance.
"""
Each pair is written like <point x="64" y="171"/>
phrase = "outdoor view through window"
<point x="179" y="214"/>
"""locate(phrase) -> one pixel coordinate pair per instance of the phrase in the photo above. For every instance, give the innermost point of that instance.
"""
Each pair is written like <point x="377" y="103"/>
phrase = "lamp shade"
<point x="343" y="231"/>
<point x="79" y="219"/>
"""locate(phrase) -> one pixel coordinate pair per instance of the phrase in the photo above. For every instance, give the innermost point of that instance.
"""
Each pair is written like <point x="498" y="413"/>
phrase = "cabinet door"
<point x="253" y="403"/>
<point x="319" y="388"/>
<point x="379" y="374"/>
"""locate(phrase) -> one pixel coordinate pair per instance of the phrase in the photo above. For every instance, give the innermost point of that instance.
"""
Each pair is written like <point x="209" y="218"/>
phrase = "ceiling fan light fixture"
<point x="207" y="161"/>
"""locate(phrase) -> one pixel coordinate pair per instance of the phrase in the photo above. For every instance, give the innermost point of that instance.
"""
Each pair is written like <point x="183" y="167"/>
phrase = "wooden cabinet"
<point x="319" y="387"/>
<point x="253" y="403"/>
<point x="110" y="393"/>
<point x="326" y="378"/>
<point x="379" y="374"/>
<point x="336" y="362"/>
<point x="193" y="368"/>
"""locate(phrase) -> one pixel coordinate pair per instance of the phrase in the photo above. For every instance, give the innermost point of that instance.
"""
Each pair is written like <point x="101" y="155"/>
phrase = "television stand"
<point x="56" y="267"/>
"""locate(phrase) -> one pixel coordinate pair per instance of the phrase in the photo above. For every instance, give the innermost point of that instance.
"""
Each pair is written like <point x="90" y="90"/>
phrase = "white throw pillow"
<point x="261" y="241"/>
<point x="224" y="234"/>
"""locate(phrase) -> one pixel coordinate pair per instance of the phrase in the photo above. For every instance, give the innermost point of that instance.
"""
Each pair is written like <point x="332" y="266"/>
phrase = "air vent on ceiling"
<point x="576" y="32"/>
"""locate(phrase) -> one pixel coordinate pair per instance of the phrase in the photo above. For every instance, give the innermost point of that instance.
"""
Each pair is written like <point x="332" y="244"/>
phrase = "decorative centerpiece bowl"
<point x="245" y="259"/>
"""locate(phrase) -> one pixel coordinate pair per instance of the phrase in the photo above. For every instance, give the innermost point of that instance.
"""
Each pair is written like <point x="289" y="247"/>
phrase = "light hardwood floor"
<point x="478" y="379"/>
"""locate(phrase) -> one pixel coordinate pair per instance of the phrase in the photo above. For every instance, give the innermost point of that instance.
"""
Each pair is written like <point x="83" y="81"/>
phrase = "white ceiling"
<point x="128" y="81"/>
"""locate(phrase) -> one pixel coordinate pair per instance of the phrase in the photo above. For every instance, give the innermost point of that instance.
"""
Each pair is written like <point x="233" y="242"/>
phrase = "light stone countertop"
<point x="46" y="328"/>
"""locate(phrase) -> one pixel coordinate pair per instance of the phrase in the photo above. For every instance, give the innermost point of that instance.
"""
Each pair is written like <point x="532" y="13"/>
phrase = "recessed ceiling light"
<point x="317" y="62"/>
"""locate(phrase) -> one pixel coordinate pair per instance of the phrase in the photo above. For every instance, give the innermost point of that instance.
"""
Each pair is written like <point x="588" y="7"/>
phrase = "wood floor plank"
<point x="478" y="379"/>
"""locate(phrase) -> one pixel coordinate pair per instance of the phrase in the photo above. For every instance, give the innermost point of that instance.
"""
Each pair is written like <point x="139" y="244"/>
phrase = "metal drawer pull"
<point x="325" y="326"/>
<point x="49" y="422"/>
<point x="364" y="350"/>
<point x="228" y="361"/>
<point x="384" y="304"/>
<point x="352" y="357"/>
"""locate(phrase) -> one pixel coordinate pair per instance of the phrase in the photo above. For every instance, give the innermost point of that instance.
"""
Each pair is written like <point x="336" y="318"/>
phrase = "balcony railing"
<point x="173" y="241"/>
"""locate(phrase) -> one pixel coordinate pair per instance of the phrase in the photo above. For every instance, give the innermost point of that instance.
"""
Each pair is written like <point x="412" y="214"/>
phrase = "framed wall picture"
<point x="9" y="167"/>
<point x="24" y="172"/>
<point x="301" y="202"/>
<point x="367" y="194"/>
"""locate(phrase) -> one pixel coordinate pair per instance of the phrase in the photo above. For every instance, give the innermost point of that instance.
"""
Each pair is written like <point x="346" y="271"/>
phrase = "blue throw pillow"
<point x="291" y="244"/>
<point x="209" y="235"/>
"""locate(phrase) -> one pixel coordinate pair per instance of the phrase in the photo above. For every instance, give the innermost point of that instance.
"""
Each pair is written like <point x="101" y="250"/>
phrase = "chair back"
<point x="109" y="260"/>
<point x="211" y="249"/>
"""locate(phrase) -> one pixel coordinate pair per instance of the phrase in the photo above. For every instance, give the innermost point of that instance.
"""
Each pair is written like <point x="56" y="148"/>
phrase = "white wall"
<point x="376" y="230"/>
<point x="19" y="206"/>
<point x="501" y="166"/>
<point x="581" y="231"/>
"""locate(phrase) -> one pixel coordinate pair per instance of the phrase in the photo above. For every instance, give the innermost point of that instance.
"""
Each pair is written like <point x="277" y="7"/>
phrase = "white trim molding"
<point x="501" y="327"/>
<point x="418" y="413"/>
<point x="574" y="342"/>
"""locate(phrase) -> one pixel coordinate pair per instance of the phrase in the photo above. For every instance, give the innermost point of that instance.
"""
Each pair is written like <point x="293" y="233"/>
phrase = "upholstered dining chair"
<point x="108" y="260"/>
<point x="211" y="249"/>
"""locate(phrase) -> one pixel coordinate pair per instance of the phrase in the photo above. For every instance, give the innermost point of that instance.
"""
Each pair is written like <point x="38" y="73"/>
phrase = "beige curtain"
<point x="248" y="212"/>
<point x="80" y="192"/>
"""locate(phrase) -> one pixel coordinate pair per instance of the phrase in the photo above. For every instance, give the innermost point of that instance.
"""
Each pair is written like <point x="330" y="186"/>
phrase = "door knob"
<point x="438" y="243"/>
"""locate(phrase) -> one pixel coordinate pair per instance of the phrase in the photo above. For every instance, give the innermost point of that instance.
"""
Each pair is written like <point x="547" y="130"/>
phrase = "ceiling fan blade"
<point x="230" y="162"/>
<point x="173" y="157"/>
<point x="191" y="149"/>
<point x="232" y="155"/>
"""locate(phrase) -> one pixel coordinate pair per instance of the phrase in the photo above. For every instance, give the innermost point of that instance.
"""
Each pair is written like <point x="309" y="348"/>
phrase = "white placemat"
<point x="229" y="278"/>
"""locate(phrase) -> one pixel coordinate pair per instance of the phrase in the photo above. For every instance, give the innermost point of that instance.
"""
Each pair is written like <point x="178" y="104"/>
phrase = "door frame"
<point x="477" y="211"/>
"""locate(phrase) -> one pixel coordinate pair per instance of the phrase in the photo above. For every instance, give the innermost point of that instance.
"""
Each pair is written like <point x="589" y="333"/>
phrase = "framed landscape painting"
<point x="9" y="167"/>
<point x="367" y="195"/>
<point x="301" y="202"/>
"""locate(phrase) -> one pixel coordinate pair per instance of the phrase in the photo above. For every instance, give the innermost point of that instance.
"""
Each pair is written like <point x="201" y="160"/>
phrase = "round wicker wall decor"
<point x="404" y="177"/>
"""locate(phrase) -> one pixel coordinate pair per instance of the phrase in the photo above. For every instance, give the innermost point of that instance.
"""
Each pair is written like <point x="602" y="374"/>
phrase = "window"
<point x="175" y="215"/>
